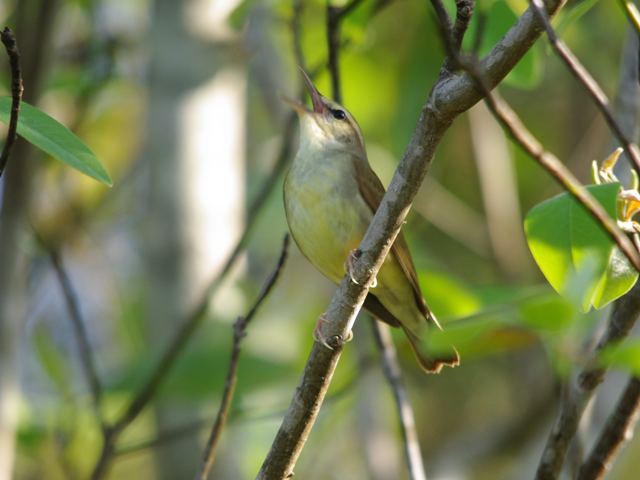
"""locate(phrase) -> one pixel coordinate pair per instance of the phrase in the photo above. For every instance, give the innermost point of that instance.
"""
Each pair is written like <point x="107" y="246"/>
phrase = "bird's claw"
<point x="332" y="341"/>
<point x="349" y="266"/>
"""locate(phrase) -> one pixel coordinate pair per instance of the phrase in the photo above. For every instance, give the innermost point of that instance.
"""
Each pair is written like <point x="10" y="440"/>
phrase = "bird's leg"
<point x="319" y="337"/>
<point x="350" y="263"/>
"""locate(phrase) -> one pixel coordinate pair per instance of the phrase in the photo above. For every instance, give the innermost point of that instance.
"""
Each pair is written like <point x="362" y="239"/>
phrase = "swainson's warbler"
<point x="330" y="196"/>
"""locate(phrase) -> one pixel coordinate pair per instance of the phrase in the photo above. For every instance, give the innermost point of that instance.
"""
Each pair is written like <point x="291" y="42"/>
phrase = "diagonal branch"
<point x="194" y="318"/>
<point x="632" y="13"/>
<point x="239" y="332"/>
<point x="588" y="82"/>
<point x="624" y="315"/>
<point x="627" y="309"/>
<point x="618" y="429"/>
<point x="448" y="98"/>
<point x="9" y="42"/>
<point x="380" y="332"/>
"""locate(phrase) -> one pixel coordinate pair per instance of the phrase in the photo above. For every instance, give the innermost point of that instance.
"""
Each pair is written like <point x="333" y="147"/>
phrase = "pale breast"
<point x="326" y="215"/>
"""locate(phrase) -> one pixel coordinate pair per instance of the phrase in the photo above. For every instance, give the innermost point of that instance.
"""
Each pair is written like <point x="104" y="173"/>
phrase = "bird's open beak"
<point x="316" y="98"/>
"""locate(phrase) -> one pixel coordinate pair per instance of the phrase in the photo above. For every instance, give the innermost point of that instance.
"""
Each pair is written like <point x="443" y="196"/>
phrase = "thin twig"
<point x="189" y="428"/>
<point x="448" y="98"/>
<point x="80" y="331"/>
<point x="239" y="332"/>
<point x="588" y="82"/>
<point x="391" y="369"/>
<point x="576" y="399"/>
<point x="296" y="20"/>
<point x="632" y="13"/>
<point x="464" y="12"/>
<point x="194" y="318"/>
<point x="618" y="428"/>
<point x="9" y="42"/>
<point x="624" y="315"/>
<point x="335" y="15"/>
<point x="518" y="132"/>
<point x="443" y="17"/>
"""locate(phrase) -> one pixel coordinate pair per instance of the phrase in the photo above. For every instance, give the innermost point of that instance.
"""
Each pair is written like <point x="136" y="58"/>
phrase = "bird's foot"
<point x="350" y="264"/>
<point x="331" y="342"/>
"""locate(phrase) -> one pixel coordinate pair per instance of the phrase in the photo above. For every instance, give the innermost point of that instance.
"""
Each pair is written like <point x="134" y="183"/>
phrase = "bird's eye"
<point x="338" y="114"/>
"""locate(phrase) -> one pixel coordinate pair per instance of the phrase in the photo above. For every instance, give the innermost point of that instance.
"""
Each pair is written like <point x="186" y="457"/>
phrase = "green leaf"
<point x="623" y="355"/>
<point x="574" y="253"/>
<point x="449" y="297"/>
<point x="618" y="279"/>
<point x="547" y="313"/>
<point x="55" y="139"/>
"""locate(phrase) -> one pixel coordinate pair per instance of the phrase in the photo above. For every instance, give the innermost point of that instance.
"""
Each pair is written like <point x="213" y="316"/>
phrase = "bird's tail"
<point x="431" y="363"/>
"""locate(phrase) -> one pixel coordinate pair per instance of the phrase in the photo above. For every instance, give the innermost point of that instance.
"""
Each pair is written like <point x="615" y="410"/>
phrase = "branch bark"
<point x="583" y="77"/>
<point x="9" y="42"/>
<point x="451" y="96"/>
<point x="618" y="429"/>
<point x="624" y="315"/>
<point x="407" y="421"/>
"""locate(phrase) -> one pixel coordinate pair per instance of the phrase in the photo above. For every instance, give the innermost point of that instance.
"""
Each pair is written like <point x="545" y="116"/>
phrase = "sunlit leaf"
<point x="574" y="253"/>
<point x="55" y="139"/>
<point x="625" y="355"/>
<point x="449" y="297"/>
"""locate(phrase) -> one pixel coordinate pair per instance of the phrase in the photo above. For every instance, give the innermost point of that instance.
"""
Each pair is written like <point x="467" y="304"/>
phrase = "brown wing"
<point x="372" y="191"/>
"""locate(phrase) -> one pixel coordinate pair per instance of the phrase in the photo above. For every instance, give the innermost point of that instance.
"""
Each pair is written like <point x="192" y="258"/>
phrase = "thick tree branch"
<point x="588" y="82"/>
<point x="407" y="421"/>
<point x="618" y="429"/>
<point x="9" y="42"/>
<point x="239" y="332"/>
<point x="450" y="97"/>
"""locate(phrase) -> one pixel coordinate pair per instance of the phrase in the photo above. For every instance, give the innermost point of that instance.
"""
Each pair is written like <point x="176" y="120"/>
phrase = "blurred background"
<point x="181" y="102"/>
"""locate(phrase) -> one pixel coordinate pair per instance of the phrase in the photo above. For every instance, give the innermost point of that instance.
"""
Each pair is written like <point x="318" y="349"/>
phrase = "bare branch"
<point x="453" y="34"/>
<point x="618" y="429"/>
<point x="632" y="13"/>
<point x="512" y="124"/>
<point x="449" y="97"/>
<point x="9" y="42"/>
<point x="194" y="318"/>
<point x="239" y="332"/>
<point x="585" y="79"/>
<point x="624" y="315"/>
<point x="391" y="369"/>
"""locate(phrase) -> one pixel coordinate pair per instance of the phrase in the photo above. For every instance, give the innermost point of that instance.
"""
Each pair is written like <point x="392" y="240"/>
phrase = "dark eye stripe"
<point x="339" y="114"/>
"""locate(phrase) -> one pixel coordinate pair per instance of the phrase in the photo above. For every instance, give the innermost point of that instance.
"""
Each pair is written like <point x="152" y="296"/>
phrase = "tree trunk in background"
<point x="194" y="152"/>
<point x="34" y="19"/>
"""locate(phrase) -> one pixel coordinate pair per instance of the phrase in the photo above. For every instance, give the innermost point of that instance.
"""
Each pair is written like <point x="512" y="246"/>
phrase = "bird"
<point x="331" y="194"/>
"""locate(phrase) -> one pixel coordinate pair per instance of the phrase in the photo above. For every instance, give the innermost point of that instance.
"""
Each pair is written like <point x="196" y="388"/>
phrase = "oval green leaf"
<point x="55" y="139"/>
<point x="574" y="253"/>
